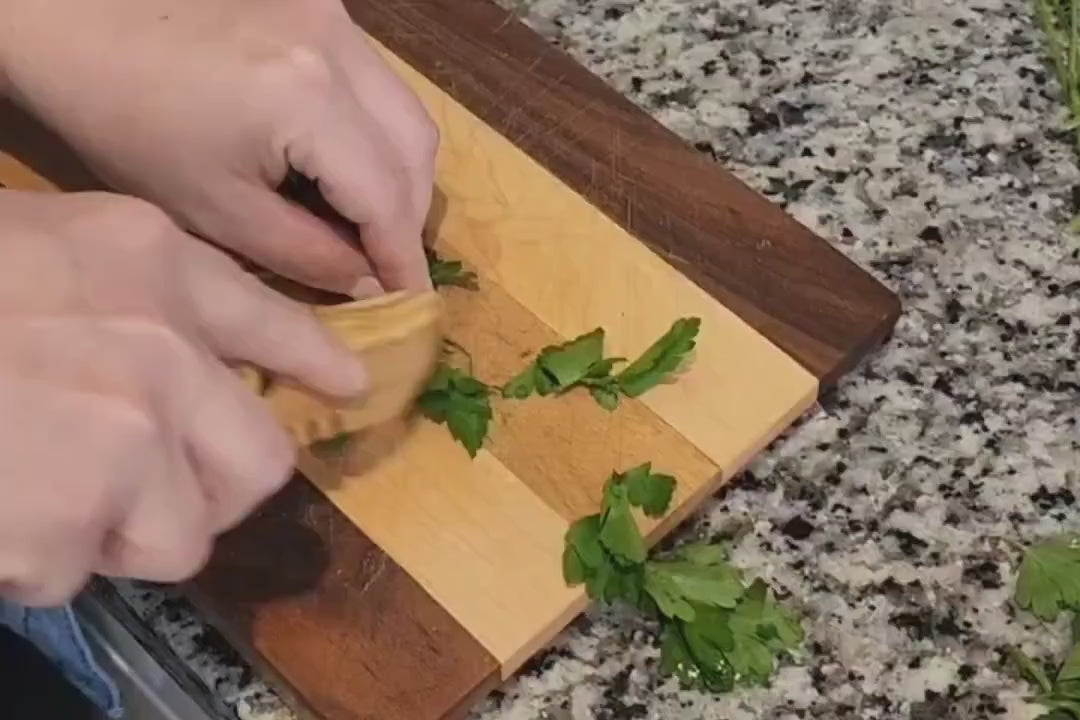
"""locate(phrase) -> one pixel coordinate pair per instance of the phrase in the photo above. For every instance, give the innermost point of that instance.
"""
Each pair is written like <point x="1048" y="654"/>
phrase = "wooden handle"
<point x="398" y="338"/>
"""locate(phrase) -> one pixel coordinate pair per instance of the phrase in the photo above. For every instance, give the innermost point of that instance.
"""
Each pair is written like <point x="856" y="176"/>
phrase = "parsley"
<point x="581" y="363"/>
<point x="460" y="401"/>
<point x="663" y="357"/>
<point x="716" y="631"/>
<point x="1060" y="695"/>
<point x="1047" y="584"/>
<point x="449" y="272"/>
<point x="332" y="447"/>
<point x="1049" y="578"/>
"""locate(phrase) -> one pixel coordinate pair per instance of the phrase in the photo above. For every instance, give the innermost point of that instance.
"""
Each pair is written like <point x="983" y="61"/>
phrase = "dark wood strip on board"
<point x="786" y="282"/>
<point x="344" y="631"/>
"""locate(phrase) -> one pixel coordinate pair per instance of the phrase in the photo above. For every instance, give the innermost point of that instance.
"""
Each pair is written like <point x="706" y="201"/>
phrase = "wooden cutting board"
<point x="409" y="587"/>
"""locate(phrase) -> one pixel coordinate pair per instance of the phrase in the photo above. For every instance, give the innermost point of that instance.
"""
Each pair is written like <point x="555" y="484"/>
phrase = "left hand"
<point x="202" y="106"/>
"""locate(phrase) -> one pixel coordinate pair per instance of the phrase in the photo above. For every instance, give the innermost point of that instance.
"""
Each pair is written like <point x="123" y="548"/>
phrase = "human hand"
<point x="126" y="444"/>
<point x="201" y="107"/>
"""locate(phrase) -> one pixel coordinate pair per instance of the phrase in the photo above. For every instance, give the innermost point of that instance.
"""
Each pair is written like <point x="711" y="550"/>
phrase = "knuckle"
<point x="298" y="65"/>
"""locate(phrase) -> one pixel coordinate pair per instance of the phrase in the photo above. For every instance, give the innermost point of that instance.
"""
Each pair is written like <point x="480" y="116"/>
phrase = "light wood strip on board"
<point x="564" y="448"/>
<point x="468" y="531"/>
<point x="575" y="269"/>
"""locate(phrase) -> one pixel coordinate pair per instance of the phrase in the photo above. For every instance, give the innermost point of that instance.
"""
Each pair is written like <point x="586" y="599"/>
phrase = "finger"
<point x="399" y="113"/>
<point x="239" y="318"/>
<point x="166" y="535"/>
<point x="288" y="239"/>
<point x="361" y="174"/>
<point x="240" y="454"/>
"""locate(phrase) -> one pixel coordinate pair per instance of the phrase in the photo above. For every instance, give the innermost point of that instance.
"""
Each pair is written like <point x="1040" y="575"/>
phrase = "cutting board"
<point x="411" y="580"/>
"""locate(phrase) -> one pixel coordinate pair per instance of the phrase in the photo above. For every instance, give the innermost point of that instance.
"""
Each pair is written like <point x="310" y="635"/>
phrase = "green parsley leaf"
<point x="1030" y="670"/>
<point x="619" y="532"/>
<point x="667" y="594"/>
<point x="606" y="396"/>
<point x="710" y="642"/>
<point x="1069" y="674"/>
<point x="558" y="368"/>
<point x="776" y="624"/>
<point x="449" y="272"/>
<point x="460" y="401"/>
<point x="661" y="358"/>
<point x="581" y="362"/>
<point x="695" y="661"/>
<point x="1060" y="714"/>
<point x="1048" y="581"/>
<point x="652" y="492"/>
<point x="701" y="553"/>
<point x="333" y="447"/>
<point x="718" y="585"/>
<point x="582" y="552"/>
<point x="523" y="384"/>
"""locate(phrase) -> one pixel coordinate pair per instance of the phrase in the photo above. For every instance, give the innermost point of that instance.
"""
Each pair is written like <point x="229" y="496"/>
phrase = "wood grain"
<point x="471" y="533"/>
<point x="345" y="632"/>
<point x="783" y="280"/>
<point x="562" y="448"/>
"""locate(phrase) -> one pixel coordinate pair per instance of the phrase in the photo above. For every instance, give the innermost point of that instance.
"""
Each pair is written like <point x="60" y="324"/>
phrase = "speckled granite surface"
<point x="922" y="136"/>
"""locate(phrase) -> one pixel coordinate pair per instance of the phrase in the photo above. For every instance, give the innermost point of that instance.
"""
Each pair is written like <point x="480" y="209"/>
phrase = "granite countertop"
<point x="922" y="136"/>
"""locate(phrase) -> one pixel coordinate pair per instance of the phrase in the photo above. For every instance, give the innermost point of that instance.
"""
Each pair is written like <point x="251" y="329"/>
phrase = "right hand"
<point x="126" y="443"/>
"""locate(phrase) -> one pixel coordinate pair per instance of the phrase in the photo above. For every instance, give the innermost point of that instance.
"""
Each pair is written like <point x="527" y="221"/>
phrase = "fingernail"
<point x="366" y="287"/>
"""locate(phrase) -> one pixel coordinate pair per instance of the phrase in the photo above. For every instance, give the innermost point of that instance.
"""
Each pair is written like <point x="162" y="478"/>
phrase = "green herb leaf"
<point x="449" y="272"/>
<point x="333" y="447"/>
<point x="582" y="552"/>
<point x="606" y="396"/>
<point x="694" y="660"/>
<point x="460" y="401"/>
<point x="570" y="363"/>
<point x="557" y="368"/>
<point x="661" y="358"/>
<point x="619" y="531"/>
<point x="521" y="385"/>
<point x="667" y="595"/>
<point x="1069" y="674"/>
<point x="652" y="492"/>
<point x="1048" y="581"/>
<point x="701" y="553"/>
<point x="718" y="585"/>
<point x="710" y="642"/>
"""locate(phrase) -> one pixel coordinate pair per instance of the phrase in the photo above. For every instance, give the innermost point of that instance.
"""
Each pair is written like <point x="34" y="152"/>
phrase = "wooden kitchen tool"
<point x="398" y="338"/>
<point x="408" y="590"/>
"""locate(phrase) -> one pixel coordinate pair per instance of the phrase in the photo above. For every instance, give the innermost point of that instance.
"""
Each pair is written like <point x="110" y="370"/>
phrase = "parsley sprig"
<point x="456" y="398"/>
<point x="717" y="631"/>
<point x="446" y="273"/>
<point x="1047" y="585"/>
<point x="581" y="363"/>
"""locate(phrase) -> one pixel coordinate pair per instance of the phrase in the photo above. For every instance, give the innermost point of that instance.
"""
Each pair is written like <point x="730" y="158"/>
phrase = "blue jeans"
<point x="56" y="633"/>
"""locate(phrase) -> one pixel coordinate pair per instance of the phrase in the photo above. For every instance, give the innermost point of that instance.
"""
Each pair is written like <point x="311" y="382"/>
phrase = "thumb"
<point x="286" y="238"/>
